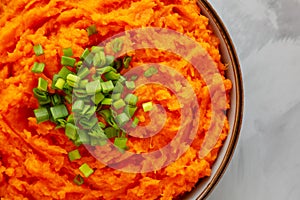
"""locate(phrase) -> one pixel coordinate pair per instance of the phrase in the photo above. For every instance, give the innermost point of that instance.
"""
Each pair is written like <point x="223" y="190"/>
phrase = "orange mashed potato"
<point x="34" y="160"/>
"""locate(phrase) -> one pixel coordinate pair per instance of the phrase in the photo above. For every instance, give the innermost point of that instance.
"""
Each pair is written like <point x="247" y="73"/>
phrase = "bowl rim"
<point x="238" y="115"/>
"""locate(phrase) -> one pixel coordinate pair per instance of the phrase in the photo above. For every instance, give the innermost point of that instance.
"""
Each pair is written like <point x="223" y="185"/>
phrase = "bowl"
<point x="205" y="186"/>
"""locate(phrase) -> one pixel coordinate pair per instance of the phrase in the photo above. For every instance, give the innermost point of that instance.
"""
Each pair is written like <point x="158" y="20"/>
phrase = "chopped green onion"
<point x="70" y="119"/>
<point x="60" y="83"/>
<point x="106" y="101"/>
<point x="135" y="122"/>
<point x="38" y="67"/>
<point x="73" y="80"/>
<point x="109" y="60"/>
<point x="64" y="72"/>
<point x="133" y="77"/>
<point x="131" y="99"/>
<point x="97" y="98"/>
<point x="71" y="131"/>
<point x="99" y="59"/>
<point x="74" y="155"/>
<point x="116" y="96"/>
<point x="102" y="125"/>
<point x="121" y="143"/>
<point x="83" y="72"/>
<point x="91" y="30"/>
<point x="42" y="84"/>
<point x="68" y="51"/>
<point x="83" y="138"/>
<point x="117" y="45"/>
<point x="105" y="70"/>
<point x="59" y="112"/>
<point x="41" y="96"/>
<point x="78" y="180"/>
<point x="130" y="110"/>
<point x="38" y="50"/>
<point x="118" y="88"/>
<point x="78" y="106"/>
<point x="147" y="106"/>
<point x="150" y="71"/>
<point x="85" y="53"/>
<point x="118" y="104"/>
<point x="68" y="98"/>
<point x="126" y="61"/>
<point x="122" y="119"/>
<point x="130" y="85"/>
<point x="93" y="87"/>
<point x="56" y="99"/>
<point x="122" y="79"/>
<point x="68" y="61"/>
<point x="97" y="49"/>
<point x="107" y="86"/>
<point x="110" y="132"/>
<point x="112" y="76"/>
<point x="86" y="170"/>
<point x="82" y="83"/>
<point x="97" y="132"/>
<point x="41" y="115"/>
<point x="88" y="123"/>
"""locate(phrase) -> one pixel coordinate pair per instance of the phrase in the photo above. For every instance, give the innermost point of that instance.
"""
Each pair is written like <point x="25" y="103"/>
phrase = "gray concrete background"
<point x="266" y="164"/>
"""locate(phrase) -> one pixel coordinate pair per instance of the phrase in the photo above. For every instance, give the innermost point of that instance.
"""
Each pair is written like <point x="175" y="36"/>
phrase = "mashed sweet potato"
<point x="33" y="157"/>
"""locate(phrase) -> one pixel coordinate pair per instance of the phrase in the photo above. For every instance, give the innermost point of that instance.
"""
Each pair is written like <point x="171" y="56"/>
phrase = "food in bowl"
<point x="42" y="153"/>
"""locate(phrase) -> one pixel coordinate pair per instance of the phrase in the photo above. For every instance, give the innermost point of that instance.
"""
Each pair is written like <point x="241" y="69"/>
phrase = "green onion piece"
<point x="112" y="76"/>
<point x="68" y="98"/>
<point x="70" y="119"/>
<point x="102" y="125"/>
<point x="133" y="77"/>
<point x="38" y="67"/>
<point x="88" y="123"/>
<point x="93" y="87"/>
<point x="74" y="155"/>
<point x="135" y="122"/>
<point x="130" y="110"/>
<point x="78" y="106"/>
<point x="78" y="180"/>
<point x="97" y="132"/>
<point x="111" y="132"/>
<point x="91" y="30"/>
<point x="118" y="88"/>
<point x="116" y="96"/>
<point x="105" y="70"/>
<point x="131" y="99"/>
<point x="126" y="61"/>
<point x="64" y="72"/>
<point x="71" y="131"/>
<point x="107" y="86"/>
<point x="148" y="106"/>
<point x="42" y="84"/>
<point x="41" y="115"/>
<point x="109" y="60"/>
<point x="68" y="51"/>
<point x="121" y="143"/>
<point x="59" y="112"/>
<point x="130" y="85"/>
<point x="60" y="83"/>
<point x="122" y="119"/>
<point x="118" y="104"/>
<point x="56" y="99"/>
<point x="84" y="55"/>
<point x="97" y="49"/>
<point x="86" y="170"/>
<point x="99" y="59"/>
<point x="41" y="96"/>
<point x="122" y="79"/>
<point x="85" y="109"/>
<point x="68" y="61"/>
<point x="73" y="80"/>
<point x="82" y="83"/>
<point x="106" y="101"/>
<point x="150" y="71"/>
<point x="83" y="72"/>
<point x="97" y="98"/>
<point x="38" y="50"/>
<point x="117" y="45"/>
<point x="83" y="138"/>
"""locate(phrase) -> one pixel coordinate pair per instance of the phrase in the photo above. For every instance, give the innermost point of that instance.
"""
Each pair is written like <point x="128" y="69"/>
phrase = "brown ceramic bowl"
<point x="229" y="55"/>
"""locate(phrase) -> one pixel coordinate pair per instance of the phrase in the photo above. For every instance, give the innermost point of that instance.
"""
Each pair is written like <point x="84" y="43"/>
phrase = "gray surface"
<point x="266" y="164"/>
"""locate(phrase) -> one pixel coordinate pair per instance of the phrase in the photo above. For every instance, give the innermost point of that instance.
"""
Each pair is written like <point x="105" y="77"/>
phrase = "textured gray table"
<point x="266" y="164"/>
